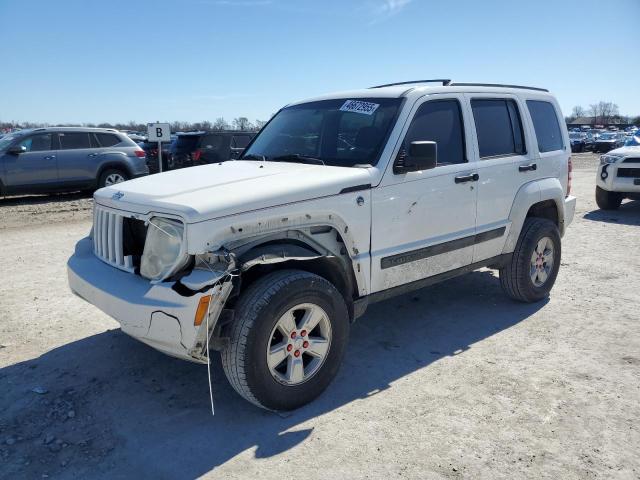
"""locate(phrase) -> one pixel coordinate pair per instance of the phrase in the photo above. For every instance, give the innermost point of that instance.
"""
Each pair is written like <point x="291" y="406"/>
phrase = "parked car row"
<point x="197" y="148"/>
<point x="56" y="159"/>
<point x="600" y="141"/>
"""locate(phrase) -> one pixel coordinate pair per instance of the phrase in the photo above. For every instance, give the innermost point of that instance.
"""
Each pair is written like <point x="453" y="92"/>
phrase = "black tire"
<point x="257" y="312"/>
<point x="515" y="278"/>
<point x="111" y="171"/>
<point x="608" y="200"/>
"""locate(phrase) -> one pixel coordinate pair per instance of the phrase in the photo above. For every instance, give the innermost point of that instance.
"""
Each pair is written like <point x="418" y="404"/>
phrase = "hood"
<point x="625" y="151"/>
<point x="217" y="190"/>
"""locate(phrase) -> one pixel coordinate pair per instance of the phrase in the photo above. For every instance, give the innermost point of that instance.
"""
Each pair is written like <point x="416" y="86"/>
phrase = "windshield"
<point x="8" y="140"/>
<point x="339" y="132"/>
<point x="575" y="136"/>
<point x="607" y="136"/>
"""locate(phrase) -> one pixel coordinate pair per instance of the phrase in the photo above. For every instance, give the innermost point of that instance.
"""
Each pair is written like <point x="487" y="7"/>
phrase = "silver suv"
<point x="67" y="158"/>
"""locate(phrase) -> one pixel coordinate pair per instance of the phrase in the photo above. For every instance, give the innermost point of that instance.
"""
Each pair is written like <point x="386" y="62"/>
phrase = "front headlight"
<point x="606" y="159"/>
<point x="163" y="253"/>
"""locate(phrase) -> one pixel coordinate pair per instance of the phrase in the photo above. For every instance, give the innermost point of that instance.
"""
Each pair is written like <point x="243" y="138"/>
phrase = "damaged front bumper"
<point x="158" y="315"/>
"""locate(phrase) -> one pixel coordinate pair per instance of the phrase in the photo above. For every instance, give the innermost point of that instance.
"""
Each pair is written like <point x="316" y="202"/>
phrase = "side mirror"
<point x="17" y="150"/>
<point x="421" y="156"/>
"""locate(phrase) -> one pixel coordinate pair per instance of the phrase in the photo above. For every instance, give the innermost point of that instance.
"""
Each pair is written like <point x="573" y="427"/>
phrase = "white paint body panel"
<point x="613" y="183"/>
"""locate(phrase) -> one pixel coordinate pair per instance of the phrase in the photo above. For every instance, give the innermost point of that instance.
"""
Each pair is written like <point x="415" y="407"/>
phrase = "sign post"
<point x="159" y="132"/>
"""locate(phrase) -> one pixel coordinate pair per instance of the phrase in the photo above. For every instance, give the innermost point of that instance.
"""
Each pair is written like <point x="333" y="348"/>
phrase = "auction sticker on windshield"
<point x="358" y="106"/>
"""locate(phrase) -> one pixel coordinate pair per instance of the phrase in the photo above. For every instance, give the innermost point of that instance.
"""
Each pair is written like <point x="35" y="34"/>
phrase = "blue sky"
<point x="92" y="61"/>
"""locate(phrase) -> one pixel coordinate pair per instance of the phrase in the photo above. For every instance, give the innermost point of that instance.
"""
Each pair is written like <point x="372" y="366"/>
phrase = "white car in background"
<point x="618" y="177"/>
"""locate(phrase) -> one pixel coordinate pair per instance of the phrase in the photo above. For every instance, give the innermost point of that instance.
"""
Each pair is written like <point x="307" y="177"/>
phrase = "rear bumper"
<point x="569" y="210"/>
<point x="154" y="314"/>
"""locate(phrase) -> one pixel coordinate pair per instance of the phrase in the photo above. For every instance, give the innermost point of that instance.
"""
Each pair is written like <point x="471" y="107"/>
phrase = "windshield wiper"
<point x="254" y="156"/>
<point x="296" y="157"/>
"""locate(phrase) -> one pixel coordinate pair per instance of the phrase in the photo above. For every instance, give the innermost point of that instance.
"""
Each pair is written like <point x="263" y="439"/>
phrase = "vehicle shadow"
<point x="138" y="413"/>
<point x="627" y="214"/>
<point x="39" y="199"/>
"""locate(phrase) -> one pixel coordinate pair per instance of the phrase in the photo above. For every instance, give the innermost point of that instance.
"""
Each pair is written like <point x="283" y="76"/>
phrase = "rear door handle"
<point x="49" y="157"/>
<point x="526" y="168"/>
<point x="473" y="177"/>
<point x="93" y="155"/>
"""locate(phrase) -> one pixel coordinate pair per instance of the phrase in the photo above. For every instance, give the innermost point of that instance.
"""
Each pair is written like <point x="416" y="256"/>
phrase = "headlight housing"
<point x="163" y="249"/>
<point x="606" y="159"/>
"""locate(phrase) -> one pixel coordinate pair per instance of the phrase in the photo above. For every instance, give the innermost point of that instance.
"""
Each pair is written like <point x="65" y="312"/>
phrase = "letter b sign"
<point x="159" y="132"/>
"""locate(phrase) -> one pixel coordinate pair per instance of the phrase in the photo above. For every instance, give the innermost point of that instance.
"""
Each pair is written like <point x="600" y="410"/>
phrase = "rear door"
<point x="423" y="223"/>
<point x="37" y="167"/>
<point x="76" y="158"/>
<point x="504" y="163"/>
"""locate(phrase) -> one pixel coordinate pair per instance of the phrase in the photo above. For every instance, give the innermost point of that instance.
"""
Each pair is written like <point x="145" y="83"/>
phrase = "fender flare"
<point x="528" y="195"/>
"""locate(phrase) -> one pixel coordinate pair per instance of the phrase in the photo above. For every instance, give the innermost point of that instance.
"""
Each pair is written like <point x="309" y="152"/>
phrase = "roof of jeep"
<point x="418" y="90"/>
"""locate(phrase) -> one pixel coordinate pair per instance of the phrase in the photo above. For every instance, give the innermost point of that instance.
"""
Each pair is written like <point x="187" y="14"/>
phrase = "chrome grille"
<point x="107" y="239"/>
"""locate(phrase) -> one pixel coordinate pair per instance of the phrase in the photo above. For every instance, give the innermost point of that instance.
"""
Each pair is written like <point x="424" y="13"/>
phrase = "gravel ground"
<point x="454" y="381"/>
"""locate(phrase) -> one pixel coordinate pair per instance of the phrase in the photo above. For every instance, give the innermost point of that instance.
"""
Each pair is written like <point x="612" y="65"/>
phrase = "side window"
<point x="73" y="140"/>
<point x="211" y="142"/>
<point x="545" y="123"/>
<point x="439" y="121"/>
<point x="37" y="143"/>
<point x="107" y="139"/>
<point x="498" y="126"/>
<point x="241" y="141"/>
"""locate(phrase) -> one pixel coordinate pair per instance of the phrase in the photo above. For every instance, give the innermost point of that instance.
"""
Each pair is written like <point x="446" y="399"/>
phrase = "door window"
<point x="37" y="143"/>
<point x="107" y="139"/>
<point x="439" y="121"/>
<point x="74" y="140"/>
<point x="498" y="126"/>
<point x="545" y="123"/>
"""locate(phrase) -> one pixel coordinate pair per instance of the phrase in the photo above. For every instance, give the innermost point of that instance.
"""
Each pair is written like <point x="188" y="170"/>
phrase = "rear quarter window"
<point x="107" y="139"/>
<point x="546" y="125"/>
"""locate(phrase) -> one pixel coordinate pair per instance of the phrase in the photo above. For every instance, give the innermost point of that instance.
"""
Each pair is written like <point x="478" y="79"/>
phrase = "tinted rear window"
<point x="241" y="141"/>
<point x="69" y="141"/>
<point x="187" y="142"/>
<point x="107" y="139"/>
<point x="545" y="123"/>
<point x="498" y="126"/>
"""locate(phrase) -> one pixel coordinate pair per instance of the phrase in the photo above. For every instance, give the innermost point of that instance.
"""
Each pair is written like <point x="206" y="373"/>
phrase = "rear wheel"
<point x="112" y="176"/>
<point x="535" y="262"/>
<point x="287" y="341"/>
<point x="608" y="200"/>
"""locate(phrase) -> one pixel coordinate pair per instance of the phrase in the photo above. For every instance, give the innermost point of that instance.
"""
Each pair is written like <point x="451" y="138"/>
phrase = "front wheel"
<point x="287" y="341"/>
<point x="608" y="200"/>
<point x="535" y="262"/>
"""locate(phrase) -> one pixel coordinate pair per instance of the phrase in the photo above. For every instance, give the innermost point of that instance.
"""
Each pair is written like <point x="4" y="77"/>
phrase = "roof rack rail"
<point x="456" y="84"/>
<point x="445" y="82"/>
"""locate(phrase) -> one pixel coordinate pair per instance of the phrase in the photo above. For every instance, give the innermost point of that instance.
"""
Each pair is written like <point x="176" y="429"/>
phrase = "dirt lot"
<point x="454" y="381"/>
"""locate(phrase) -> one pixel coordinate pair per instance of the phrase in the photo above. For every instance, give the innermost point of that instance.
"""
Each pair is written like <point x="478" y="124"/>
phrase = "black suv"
<point x="200" y="148"/>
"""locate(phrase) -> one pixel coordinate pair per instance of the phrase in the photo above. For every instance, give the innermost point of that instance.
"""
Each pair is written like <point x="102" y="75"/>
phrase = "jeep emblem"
<point x="117" y="196"/>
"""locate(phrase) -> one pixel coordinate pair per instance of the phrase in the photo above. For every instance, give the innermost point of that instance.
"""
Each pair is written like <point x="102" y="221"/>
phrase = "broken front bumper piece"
<point x="155" y="314"/>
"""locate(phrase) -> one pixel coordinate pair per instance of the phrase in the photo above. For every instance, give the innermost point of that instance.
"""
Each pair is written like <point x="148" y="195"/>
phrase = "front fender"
<point x="343" y="213"/>
<point x="528" y="195"/>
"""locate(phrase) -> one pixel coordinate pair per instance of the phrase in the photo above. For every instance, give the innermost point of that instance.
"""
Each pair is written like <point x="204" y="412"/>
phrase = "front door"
<point x="423" y="223"/>
<point x="37" y="167"/>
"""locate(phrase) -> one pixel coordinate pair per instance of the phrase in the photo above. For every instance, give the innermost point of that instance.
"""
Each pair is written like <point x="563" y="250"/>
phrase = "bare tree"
<point x="220" y="124"/>
<point x="578" y="111"/>
<point x="242" y="123"/>
<point x="602" y="112"/>
<point x="258" y="124"/>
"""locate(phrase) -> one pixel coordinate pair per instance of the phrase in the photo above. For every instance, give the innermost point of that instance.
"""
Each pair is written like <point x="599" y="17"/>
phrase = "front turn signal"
<point x="203" y="308"/>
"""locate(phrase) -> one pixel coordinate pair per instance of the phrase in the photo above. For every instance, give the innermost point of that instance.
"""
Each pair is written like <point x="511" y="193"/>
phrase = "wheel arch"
<point x="115" y="164"/>
<point x="540" y="198"/>
<point x="295" y="249"/>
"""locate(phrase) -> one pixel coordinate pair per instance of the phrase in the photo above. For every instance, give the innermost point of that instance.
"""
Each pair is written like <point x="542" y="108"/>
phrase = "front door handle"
<point x="93" y="155"/>
<point x="473" y="177"/>
<point x="49" y="157"/>
<point x="527" y="168"/>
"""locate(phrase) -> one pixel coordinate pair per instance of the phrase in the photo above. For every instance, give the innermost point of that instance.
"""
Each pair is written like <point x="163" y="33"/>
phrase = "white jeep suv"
<point x="618" y="177"/>
<point x="339" y="202"/>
